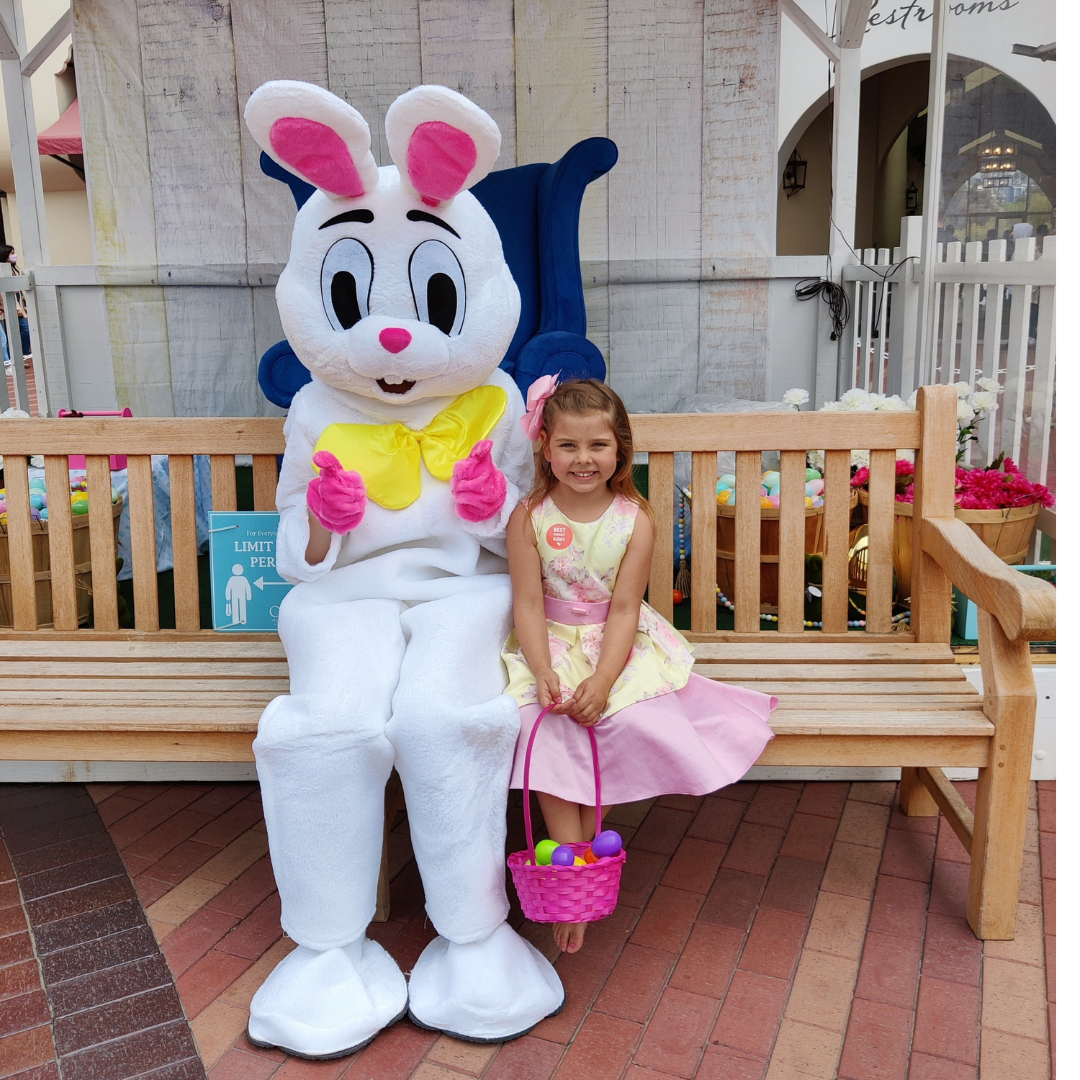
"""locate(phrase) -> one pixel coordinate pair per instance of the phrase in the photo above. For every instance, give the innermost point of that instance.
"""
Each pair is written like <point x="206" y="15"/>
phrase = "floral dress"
<point x="665" y="730"/>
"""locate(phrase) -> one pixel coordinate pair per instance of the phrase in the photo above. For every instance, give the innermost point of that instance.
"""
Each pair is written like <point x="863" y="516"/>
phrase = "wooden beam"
<point x="853" y="27"/>
<point x="45" y="47"/>
<point x="952" y="806"/>
<point x="810" y="28"/>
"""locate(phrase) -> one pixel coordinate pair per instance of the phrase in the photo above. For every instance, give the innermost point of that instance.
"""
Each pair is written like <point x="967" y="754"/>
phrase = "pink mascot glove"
<point x="337" y="498"/>
<point x="478" y="487"/>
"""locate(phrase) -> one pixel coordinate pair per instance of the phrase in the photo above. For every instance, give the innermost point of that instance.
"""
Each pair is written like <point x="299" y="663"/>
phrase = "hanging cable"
<point x="833" y="295"/>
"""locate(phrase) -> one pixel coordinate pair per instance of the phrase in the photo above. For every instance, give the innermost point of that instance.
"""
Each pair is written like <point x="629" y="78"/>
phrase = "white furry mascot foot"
<point x="404" y="459"/>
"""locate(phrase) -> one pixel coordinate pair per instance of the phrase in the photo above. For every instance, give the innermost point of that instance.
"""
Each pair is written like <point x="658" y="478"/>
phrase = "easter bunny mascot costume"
<point x="406" y="446"/>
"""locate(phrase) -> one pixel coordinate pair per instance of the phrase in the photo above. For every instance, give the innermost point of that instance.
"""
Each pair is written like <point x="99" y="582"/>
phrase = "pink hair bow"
<point x="532" y="422"/>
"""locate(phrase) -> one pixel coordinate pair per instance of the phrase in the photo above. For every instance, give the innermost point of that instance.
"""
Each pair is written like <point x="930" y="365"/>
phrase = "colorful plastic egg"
<point x="543" y="852"/>
<point x="677" y="597"/>
<point x="3" y="506"/>
<point x="608" y="843"/>
<point x="731" y="499"/>
<point x="766" y="502"/>
<point x="721" y="486"/>
<point x="80" y="507"/>
<point x="35" y="515"/>
<point x="723" y="498"/>
<point x="771" y="477"/>
<point x="578" y="860"/>
<point x="563" y="855"/>
<point x="45" y="514"/>
<point x="813" y="474"/>
<point x="37" y="500"/>
<point x="815" y="487"/>
<point x="36" y="484"/>
<point x="728" y="480"/>
<point x="590" y="856"/>
<point x="773" y="501"/>
<point x="115" y="495"/>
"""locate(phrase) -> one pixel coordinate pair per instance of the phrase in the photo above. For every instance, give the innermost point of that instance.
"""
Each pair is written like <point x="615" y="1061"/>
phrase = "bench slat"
<point x="747" y="596"/>
<point x="59" y="669"/>
<point x="185" y="543"/>
<point x="20" y="544"/>
<point x="223" y="482"/>
<point x="61" y="544"/>
<point x="219" y="647"/>
<point x="855" y="673"/>
<point x="879" y="567"/>
<point x="703" y="568"/>
<point x="143" y="543"/>
<point x="264" y="480"/>
<point x="91" y="685"/>
<point x="834" y="577"/>
<point x="662" y="498"/>
<point x="792" y="568"/>
<point x="102" y="540"/>
<point x="765" y="650"/>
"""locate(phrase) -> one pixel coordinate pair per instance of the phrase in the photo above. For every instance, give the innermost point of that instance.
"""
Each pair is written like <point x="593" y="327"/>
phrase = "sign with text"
<point x="245" y="587"/>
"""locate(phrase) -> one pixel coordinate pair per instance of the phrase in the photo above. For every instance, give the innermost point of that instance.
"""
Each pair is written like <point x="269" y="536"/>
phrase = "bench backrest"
<point x="930" y="431"/>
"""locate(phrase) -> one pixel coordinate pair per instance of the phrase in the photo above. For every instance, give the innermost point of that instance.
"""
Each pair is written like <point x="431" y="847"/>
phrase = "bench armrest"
<point x="1025" y="607"/>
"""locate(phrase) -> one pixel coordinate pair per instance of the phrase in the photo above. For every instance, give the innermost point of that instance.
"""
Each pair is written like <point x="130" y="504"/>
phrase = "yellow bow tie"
<point x="387" y="456"/>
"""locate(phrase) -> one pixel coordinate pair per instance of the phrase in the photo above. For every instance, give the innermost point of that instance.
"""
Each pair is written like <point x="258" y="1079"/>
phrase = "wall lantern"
<point x="911" y="198"/>
<point x="794" y="173"/>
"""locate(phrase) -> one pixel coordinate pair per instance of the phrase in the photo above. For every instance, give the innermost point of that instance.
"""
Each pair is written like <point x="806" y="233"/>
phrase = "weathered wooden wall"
<point x="675" y="242"/>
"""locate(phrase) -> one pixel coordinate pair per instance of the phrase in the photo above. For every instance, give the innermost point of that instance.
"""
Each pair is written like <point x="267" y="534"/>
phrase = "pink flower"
<point x="861" y="478"/>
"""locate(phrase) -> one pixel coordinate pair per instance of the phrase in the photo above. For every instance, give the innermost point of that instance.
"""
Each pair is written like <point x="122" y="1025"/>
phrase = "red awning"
<point x="65" y="136"/>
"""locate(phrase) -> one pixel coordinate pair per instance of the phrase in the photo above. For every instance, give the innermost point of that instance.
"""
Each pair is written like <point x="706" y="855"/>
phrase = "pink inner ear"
<point x="440" y="159"/>
<point x="318" y="153"/>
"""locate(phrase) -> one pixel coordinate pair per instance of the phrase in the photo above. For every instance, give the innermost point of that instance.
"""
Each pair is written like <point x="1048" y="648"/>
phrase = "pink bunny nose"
<point x="394" y="338"/>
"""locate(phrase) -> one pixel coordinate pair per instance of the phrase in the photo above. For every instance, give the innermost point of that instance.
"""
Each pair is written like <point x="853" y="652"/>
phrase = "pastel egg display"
<point x="563" y="855"/>
<point x="607" y="844"/>
<point x="815" y="487"/>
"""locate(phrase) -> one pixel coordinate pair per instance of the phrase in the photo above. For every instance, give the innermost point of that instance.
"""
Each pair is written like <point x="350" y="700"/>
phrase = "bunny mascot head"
<point x="404" y="458"/>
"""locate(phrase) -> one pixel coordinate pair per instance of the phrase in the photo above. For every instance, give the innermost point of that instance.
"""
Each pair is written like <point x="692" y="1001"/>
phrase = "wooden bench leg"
<point x="395" y="801"/>
<point x="997" y="848"/>
<point x="915" y="799"/>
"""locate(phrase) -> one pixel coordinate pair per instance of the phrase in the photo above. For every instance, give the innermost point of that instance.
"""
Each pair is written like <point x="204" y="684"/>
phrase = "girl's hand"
<point x="548" y="691"/>
<point x="590" y="700"/>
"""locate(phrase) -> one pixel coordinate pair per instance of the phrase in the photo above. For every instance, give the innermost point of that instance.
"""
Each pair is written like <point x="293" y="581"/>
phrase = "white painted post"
<point x="42" y="309"/>
<point x="905" y="313"/>
<point x="845" y="176"/>
<point x="935" y="134"/>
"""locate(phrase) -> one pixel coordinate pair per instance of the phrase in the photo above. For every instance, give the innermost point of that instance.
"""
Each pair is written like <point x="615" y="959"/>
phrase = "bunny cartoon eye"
<point x="347" y="271"/>
<point x="438" y="286"/>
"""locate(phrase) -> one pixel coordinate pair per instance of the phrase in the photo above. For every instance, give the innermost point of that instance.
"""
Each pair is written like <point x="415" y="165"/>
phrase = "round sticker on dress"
<point x="560" y="536"/>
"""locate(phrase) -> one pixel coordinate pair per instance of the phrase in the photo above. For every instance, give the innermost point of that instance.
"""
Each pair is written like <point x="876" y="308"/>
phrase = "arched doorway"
<point x="998" y="161"/>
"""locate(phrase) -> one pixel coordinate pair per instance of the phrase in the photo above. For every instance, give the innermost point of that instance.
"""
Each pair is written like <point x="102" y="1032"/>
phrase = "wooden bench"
<point x="889" y="696"/>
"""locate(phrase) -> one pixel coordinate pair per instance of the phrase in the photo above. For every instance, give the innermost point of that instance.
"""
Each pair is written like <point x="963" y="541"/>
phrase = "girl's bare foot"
<point x="570" y="936"/>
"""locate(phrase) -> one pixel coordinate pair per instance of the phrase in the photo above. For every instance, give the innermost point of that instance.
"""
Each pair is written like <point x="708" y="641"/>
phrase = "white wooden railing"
<point x="995" y="318"/>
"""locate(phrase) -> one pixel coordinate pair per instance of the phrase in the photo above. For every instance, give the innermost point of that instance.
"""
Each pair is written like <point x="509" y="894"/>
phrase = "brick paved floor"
<point x="769" y="931"/>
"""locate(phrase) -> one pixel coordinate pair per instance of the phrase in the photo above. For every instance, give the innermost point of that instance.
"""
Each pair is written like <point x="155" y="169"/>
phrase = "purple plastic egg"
<point x="608" y="843"/>
<point x="563" y="855"/>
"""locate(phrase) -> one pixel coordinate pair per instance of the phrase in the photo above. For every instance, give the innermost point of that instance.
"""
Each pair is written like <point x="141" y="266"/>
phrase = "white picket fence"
<point x="995" y="318"/>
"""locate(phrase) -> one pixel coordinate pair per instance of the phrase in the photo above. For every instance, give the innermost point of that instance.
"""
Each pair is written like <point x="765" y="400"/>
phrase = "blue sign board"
<point x="245" y="587"/>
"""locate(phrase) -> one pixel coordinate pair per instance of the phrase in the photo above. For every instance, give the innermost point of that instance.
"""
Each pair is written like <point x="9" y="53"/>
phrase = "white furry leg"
<point x="327" y="1004"/>
<point x="485" y="991"/>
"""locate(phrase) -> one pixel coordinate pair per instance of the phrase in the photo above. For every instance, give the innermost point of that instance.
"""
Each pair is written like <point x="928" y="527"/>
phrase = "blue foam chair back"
<point x="536" y="209"/>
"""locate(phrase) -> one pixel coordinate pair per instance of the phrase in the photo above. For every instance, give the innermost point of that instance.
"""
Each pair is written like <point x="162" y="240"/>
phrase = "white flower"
<point x="795" y="397"/>
<point x="895" y="403"/>
<point x="991" y="386"/>
<point x="962" y="389"/>
<point x="817" y="460"/>
<point x="911" y="401"/>
<point x="37" y="461"/>
<point x="860" y="458"/>
<point x="830" y="406"/>
<point x="983" y="401"/>
<point x="14" y="414"/>
<point x="964" y="412"/>
<point x="855" y="399"/>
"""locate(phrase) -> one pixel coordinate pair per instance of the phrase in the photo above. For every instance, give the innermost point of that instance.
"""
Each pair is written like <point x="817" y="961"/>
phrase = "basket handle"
<point x="525" y="792"/>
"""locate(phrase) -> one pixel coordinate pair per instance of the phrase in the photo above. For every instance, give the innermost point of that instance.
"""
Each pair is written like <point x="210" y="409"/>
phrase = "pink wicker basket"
<point x="551" y="894"/>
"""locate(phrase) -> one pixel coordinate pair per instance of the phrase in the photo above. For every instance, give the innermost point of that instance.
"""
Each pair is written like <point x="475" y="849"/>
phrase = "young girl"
<point x="580" y="549"/>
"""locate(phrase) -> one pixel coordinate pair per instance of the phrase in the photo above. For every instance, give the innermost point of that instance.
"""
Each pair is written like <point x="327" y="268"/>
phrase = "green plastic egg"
<point x="80" y="507"/>
<point x="813" y="474"/>
<point x="543" y="852"/>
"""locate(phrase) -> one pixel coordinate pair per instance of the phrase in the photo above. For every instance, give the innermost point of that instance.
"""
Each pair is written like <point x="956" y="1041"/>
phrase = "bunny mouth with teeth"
<point x="389" y="387"/>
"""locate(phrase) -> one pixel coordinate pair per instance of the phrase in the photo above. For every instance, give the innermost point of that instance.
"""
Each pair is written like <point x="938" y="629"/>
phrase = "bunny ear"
<point x="440" y="141"/>
<point x="315" y="135"/>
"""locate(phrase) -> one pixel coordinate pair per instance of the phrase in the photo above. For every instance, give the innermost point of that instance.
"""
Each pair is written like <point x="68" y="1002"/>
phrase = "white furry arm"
<point x="293" y="529"/>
